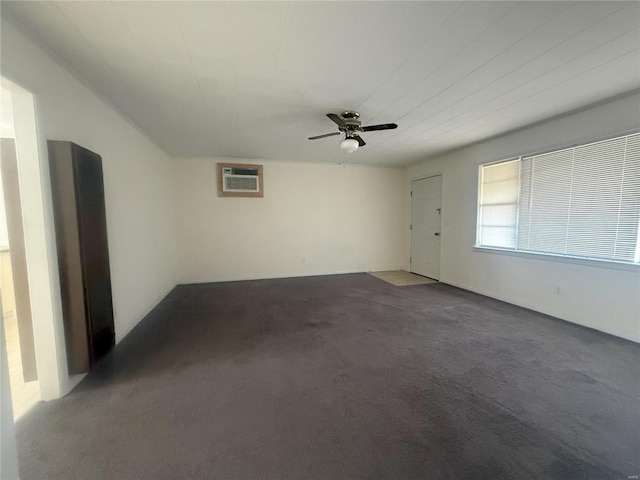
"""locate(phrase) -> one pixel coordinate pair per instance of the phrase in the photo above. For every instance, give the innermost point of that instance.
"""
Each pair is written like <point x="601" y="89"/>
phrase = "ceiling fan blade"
<point x="337" y="120"/>
<point x="325" y="135"/>
<point x="361" y="142"/>
<point x="383" y="126"/>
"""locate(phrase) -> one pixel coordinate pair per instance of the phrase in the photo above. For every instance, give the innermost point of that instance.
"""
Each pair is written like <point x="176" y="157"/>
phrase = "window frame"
<point x="545" y="256"/>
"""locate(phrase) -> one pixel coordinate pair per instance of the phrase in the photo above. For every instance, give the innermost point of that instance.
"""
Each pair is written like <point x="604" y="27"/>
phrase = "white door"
<point x="425" y="226"/>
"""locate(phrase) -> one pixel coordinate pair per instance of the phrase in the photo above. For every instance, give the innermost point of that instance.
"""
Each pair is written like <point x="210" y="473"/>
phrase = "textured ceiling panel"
<point x="255" y="79"/>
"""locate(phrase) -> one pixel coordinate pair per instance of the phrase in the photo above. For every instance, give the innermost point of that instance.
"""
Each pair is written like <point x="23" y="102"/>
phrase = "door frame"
<point x="18" y="258"/>
<point x="41" y="253"/>
<point x="437" y="173"/>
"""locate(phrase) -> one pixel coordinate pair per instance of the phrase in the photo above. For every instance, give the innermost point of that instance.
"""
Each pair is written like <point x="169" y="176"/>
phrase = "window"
<point x="582" y="201"/>
<point x="498" y="215"/>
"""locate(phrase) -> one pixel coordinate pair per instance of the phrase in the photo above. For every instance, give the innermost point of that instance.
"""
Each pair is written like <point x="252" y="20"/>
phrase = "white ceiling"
<point x="255" y="79"/>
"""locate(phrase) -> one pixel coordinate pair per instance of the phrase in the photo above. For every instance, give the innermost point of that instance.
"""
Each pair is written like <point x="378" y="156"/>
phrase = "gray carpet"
<point x="341" y="377"/>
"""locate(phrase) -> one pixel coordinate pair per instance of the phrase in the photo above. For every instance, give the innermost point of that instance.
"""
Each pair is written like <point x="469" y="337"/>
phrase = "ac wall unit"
<point x="239" y="180"/>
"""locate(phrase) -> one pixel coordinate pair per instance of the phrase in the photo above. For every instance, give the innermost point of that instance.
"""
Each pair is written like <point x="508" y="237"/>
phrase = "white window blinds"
<point x="582" y="201"/>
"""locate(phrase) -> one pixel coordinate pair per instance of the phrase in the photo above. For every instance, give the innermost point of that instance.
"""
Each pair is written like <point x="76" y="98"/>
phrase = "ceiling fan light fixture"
<point x="349" y="124"/>
<point x="349" y="145"/>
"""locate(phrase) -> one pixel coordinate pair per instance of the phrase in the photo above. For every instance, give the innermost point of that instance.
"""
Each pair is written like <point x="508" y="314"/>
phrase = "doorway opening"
<point x="426" y="209"/>
<point x="14" y="283"/>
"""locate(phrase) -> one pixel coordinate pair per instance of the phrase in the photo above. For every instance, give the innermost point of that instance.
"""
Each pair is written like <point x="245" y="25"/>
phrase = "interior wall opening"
<point x="30" y="185"/>
<point x="14" y="283"/>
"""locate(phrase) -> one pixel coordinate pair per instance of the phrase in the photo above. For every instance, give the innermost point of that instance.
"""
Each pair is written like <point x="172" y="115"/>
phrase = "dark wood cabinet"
<point x="83" y="255"/>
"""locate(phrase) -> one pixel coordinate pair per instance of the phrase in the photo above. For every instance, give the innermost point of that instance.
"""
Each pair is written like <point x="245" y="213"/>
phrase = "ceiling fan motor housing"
<point x="350" y="114"/>
<point x="352" y="122"/>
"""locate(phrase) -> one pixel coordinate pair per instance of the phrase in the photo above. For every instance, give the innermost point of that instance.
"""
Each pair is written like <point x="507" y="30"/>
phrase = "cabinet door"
<point x="94" y="250"/>
<point x="63" y="194"/>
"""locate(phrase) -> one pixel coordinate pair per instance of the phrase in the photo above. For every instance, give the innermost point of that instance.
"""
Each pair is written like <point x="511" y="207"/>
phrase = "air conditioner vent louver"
<point x="240" y="183"/>
<point x="239" y="180"/>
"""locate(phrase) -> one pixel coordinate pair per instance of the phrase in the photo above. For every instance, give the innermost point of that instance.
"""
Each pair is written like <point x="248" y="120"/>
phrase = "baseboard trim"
<point x="269" y="277"/>
<point x="537" y="309"/>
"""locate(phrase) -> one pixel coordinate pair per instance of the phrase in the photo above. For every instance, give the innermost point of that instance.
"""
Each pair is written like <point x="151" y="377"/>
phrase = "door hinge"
<point x="409" y="259"/>
<point x="411" y="193"/>
<point x="410" y="227"/>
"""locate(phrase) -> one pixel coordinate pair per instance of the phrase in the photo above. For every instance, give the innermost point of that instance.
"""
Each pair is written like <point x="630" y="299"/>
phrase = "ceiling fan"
<point x="349" y="124"/>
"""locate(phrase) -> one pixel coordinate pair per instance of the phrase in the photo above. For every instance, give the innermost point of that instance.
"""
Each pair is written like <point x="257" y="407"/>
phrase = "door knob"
<point x="437" y="234"/>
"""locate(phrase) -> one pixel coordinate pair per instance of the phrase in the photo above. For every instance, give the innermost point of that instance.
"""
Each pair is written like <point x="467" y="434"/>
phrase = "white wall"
<point x="137" y="178"/>
<point x="6" y="131"/>
<point x="597" y="295"/>
<point x="314" y="219"/>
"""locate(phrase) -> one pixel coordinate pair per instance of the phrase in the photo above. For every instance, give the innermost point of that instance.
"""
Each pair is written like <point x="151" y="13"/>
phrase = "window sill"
<point x="549" y="257"/>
